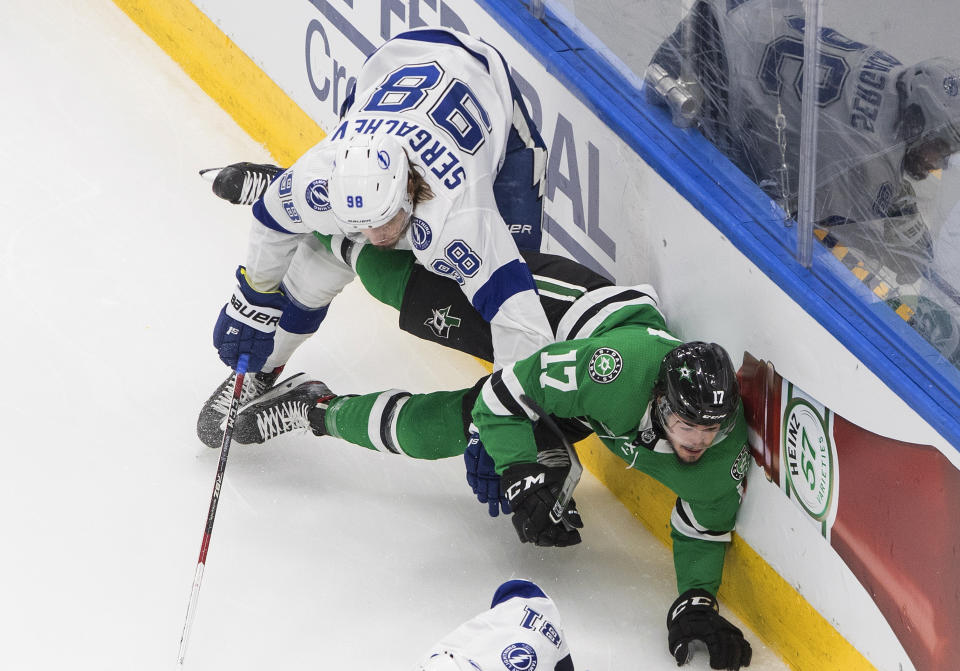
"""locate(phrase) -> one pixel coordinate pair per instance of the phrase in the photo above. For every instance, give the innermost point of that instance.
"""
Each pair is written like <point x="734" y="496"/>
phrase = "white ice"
<point x="115" y="259"/>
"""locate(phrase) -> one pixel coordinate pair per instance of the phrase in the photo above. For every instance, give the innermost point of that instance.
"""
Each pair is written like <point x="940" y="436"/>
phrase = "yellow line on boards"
<point x="227" y="75"/>
<point x="775" y="611"/>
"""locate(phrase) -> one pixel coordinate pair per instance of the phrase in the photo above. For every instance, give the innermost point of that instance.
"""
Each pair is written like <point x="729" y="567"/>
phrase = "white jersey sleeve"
<point x="282" y="246"/>
<point x="521" y="630"/>
<point x="466" y="240"/>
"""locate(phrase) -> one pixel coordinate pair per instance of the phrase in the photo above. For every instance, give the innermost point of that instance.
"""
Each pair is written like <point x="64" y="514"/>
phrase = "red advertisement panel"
<point x="890" y="509"/>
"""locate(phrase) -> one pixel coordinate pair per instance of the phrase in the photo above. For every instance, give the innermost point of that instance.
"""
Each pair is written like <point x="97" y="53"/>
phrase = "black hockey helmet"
<point x="698" y="384"/>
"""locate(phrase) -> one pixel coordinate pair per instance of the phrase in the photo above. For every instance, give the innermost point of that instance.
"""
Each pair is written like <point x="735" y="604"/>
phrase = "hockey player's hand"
<point x="247" y="323"/>
<point x="483" y="478"/>
<point x="532" y="490"/>
<point x="695" y="615"/>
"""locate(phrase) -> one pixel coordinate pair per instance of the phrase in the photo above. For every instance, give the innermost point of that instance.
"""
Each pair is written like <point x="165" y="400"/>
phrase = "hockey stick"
<point x="576" y="468"/>
<point x="212" y="511"/>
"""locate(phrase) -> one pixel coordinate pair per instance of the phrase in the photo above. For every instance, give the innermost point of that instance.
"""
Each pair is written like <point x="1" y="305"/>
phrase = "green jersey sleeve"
<point x="606" y="379"/>
<point x="706" y="512"/>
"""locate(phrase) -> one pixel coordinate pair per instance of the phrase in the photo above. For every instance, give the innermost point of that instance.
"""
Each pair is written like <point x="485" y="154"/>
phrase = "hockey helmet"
<point x="698" y="384"/>
<point x="368" y="185"/>
<point x="930" y="96"/>
<point x="448" y="660"/>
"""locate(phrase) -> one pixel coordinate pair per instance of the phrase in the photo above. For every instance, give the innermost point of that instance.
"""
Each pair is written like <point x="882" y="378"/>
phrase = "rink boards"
<point x="283" y="73"/>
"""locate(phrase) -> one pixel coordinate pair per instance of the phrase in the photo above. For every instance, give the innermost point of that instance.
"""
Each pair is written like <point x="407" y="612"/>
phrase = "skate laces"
<point x="283" y="417"/>
<point x="254" y="184"/>
<point x="253" y="387"/>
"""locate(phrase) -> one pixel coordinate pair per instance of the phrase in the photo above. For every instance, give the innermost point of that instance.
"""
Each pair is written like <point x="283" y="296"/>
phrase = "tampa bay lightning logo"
<point x="316" y="195"/>
<point x="383" y="159"/>
<point x="519" y="657"/>
<point x="420" y="233"/>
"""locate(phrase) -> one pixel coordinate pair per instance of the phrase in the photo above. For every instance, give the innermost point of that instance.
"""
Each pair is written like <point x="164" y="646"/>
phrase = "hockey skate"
<point x="296" y="404"/>
<point x="242" y="183"/>
<point x="213" y="414"/>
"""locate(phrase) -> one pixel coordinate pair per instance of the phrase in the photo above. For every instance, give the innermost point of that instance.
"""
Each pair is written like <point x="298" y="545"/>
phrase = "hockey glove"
<point x="531" y="490"/>
<point x="483" y="478"/>
<point x="247" y="323"/>
<point x="695" y="615"/>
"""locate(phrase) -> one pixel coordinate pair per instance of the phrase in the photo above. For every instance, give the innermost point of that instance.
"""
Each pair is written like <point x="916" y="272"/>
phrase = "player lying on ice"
<point x="520" y="630"/>
<point x="434" y="153"/>
<point x="669" y="409"/>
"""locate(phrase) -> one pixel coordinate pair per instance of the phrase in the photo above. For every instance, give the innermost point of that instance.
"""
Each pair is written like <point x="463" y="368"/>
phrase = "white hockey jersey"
<point x="749" y="58"/>
<point x="520" y="632"/>
<point x="447" y="97"/>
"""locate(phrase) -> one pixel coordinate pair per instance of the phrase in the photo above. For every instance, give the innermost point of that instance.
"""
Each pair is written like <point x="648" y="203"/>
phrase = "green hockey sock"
<point x="422" y="426"/>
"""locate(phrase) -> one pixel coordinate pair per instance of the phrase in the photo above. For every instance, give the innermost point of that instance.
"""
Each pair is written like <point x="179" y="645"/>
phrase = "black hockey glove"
<point x="695" y="615"/>
<point x="532" y="490"/>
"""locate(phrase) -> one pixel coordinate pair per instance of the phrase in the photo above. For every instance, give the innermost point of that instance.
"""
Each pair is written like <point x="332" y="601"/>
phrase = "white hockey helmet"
<point x="368" y="185"/>
<point x="448" y="660"/>
<point x="931" y="98"/>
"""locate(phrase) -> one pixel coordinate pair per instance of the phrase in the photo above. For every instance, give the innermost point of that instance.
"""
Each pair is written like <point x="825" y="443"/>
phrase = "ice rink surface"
<point x="116" y="259"/>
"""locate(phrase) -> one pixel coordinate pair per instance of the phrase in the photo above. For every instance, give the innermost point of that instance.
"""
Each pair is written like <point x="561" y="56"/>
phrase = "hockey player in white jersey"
<point x="435" y="152"/>
<point x="521" y="631"/>
<point x="880" y="121"/>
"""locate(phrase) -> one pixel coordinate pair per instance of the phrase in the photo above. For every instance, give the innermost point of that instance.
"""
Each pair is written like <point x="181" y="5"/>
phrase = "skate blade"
<point x="210" y="174"/>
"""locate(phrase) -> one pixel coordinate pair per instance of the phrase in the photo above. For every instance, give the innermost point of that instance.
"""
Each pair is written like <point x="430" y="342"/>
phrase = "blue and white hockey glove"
<point x="483" y="478"/>
<point x="247" y="323"/>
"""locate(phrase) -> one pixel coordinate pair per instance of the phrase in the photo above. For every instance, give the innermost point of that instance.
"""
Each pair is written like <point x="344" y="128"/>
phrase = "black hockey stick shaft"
<point x="576" y="468"/>
<point x="212" y="510"/>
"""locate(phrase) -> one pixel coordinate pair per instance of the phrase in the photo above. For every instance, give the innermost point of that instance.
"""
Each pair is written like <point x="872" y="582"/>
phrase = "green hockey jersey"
<point x="604" y="376"/>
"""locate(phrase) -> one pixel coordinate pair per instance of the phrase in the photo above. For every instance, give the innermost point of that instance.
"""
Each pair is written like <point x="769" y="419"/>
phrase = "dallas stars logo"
<point x="605" y="365"/>
<point x="685" y="373"/>
<point x="442" y="321"/>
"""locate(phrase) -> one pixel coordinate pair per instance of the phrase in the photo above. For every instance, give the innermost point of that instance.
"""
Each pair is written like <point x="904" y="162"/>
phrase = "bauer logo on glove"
<point x="247" y="322"/>
<point x="250" y="314"/>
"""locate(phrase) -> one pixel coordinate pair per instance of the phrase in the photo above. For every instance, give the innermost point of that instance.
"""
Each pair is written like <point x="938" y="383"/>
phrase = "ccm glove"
<point x="695" y="615"/>
<point x="531" y="490"/>
<point x="247" y="323"/>
<point x="483" y="478"/>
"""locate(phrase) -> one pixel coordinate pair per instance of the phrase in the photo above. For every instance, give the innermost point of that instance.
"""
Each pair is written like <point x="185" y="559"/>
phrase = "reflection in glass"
<point x="883" y="128"/>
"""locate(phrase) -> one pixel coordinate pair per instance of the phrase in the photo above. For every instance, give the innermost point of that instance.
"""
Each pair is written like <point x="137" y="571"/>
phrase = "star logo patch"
<point x="605" y="365"/>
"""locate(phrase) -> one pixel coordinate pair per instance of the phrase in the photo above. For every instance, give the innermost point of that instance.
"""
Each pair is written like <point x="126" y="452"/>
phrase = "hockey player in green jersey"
<point x="668" y="408"/>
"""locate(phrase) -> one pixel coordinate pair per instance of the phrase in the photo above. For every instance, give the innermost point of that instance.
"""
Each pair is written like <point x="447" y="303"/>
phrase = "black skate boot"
<point x="243" y="183"/>
<point x="213" y="415"/>
<point x="296" y="404"/>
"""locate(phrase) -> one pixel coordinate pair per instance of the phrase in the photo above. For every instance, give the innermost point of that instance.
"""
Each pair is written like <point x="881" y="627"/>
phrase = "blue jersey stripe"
<point x="506" y="281"/>
<point x="260" y="214"/>
<point x="516" y="588"/>
<point x="441" y="37"/>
